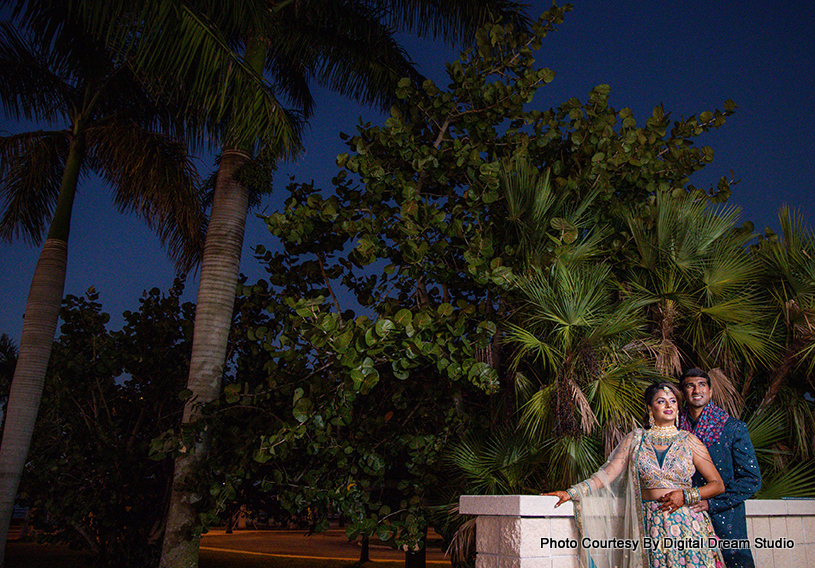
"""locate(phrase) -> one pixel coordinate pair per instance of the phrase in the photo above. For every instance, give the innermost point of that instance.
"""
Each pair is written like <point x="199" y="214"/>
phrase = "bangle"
<point x="573" y="494"/>
<point x="692" y="496"/>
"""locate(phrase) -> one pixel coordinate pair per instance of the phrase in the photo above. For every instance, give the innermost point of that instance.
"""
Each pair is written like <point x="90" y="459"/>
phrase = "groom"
<point x="733" y="455"/>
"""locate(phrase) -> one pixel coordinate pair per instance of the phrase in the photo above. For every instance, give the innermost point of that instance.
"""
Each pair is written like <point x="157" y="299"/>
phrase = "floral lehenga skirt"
<point x="682" y="539"/>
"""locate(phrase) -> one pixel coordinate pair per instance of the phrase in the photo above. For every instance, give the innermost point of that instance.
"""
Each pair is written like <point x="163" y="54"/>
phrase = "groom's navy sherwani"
<point x="734" y="457"/>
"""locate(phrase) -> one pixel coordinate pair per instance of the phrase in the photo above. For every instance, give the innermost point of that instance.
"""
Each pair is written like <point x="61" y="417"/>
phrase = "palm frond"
<point x="498" y="464"/>
<point x="728" y="271"/>
<point x="524" y="386"/>
<point x="528" y="345"/>
<point x="588" y="247"/>
<point x="537" y="413"/>
<point x="742" y="342"/>
<point x="767" y="429"/>
<point x="30" y="87"/>
<point x="342" y="46"/>
<point x="160" y="183"/>
<point x="802" y="419"/>
<point x="795" y="481"/>
<point x="726" y="395"/>
<point x="462" y="545"/>
<point x="693" y="268"/>
<point x="547" y="225"/>
<point x="570" y="459"/>
<point x="31" y="167"/>
<point x="588" y="419"/>
<point x="616" y="395"/>
<point x="668" y="358"/>
<point x="213" y="85"/>
<point x="452" y="21"/>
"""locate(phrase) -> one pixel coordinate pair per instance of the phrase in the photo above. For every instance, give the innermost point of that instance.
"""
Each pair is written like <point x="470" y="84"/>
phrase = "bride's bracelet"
<point x="575" y="493"/>
<point x="692" y="496"/>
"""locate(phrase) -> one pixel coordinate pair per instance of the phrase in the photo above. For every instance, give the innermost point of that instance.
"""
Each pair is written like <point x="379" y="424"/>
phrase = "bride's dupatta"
<point x="608" y="511"/>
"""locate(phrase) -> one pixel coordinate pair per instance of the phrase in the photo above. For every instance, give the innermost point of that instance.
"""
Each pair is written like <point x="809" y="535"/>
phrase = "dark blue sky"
<point x="690" y="56"/>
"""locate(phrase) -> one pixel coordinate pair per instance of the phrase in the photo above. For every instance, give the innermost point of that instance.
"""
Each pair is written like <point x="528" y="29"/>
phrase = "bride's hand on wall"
<point x="561" y="495"/>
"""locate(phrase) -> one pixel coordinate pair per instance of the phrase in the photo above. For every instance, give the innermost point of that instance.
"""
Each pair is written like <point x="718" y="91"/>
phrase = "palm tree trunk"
<point x="220" y="268"/>
<point x="780" y="374"/>
<point x="39" y="326"/>
<point x="213" y="320"/>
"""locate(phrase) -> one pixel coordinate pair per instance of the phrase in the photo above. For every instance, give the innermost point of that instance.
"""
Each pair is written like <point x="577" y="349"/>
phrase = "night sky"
<point x="689" y="56"/>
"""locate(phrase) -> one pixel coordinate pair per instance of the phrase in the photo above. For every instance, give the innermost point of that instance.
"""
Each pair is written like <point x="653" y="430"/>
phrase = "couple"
<point x="652" y="503"/>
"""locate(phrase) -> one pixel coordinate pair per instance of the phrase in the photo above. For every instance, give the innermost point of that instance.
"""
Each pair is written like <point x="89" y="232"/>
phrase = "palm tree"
<point x="782" y="435"/>
<point x="582" y="363"/>
<point x="543" y="223"/>
<point x="349" y="47"/>
<point x="689" y="264"/>
<point x="789" y="279"/>
<point x="54" y="73"/>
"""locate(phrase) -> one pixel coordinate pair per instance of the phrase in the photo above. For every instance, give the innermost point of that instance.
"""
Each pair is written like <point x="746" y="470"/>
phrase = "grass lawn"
<point x="31" y="555"/>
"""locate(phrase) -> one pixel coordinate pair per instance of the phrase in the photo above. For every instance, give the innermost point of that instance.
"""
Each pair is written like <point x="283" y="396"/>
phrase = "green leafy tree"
<point x="89" y="479"/>
<point x="54" y="73"/>
<point x="592" y="147"/>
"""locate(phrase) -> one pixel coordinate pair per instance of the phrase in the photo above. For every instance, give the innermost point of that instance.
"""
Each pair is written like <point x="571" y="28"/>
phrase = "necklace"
<point x="662" y="435"/>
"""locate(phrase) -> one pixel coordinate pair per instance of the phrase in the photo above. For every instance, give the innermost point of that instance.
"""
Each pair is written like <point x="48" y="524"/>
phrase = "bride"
<point x="634" y="512"/>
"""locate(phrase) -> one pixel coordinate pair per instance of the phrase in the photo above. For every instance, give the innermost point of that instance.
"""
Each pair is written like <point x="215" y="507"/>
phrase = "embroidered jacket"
<point x="733" y="455"/>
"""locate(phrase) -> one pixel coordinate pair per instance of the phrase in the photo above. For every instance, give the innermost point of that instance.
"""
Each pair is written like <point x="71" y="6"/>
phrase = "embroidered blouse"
<point x="676" y="468"/>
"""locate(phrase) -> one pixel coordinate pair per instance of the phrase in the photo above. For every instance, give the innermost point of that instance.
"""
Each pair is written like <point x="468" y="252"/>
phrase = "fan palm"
<point x="690" y="266"/>
<point x="583" y="360"/>
<point x="543" y="223"/>
<point x="501" y="464"/>
<point x="789" y="279"/>
<point x="111" y="126"/>
<point x="782" y="435"/>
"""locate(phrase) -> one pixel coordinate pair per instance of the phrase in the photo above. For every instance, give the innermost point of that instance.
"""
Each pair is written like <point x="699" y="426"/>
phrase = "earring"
<point x="650" y="419"/>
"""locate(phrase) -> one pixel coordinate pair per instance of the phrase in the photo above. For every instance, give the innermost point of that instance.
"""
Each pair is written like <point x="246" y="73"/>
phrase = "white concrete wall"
<point x="509" y="530"/>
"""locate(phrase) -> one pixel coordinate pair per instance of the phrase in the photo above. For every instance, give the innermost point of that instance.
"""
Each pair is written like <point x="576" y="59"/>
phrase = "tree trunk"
<point x="220" y="268"/>
<point x="37" y="338"/>
<point x="416" y="558"/>
<point x="39" y="325"/>
<point x="365" y="551"/>
<point x="780" y="374"/>
<point x="213" y="319"/>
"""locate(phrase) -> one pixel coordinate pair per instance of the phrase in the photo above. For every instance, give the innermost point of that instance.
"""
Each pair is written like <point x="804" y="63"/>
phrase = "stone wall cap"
<point x="514" y="506"/>
<point x="544" y="506"/>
